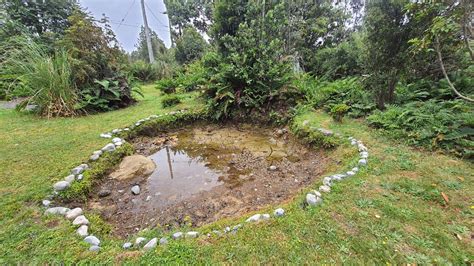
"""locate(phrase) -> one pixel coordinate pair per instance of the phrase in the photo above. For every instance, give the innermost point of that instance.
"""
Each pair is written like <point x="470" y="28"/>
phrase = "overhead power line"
<point x="126" y="14"/>
<point x="155" y="17"/>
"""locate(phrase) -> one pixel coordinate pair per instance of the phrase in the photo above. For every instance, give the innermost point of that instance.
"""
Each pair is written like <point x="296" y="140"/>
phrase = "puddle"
<point x="205" y="173"/>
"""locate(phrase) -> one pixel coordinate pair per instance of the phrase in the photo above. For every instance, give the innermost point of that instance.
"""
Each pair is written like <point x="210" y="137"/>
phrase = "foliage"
<point x="49" y="78"/>
<point x="183" y="14"/>
<point x="434" y="124"/>
<point x="190" y="78"/>
<point x="338" y="111"/>
<point x="190" y="46"/>
<point x="160" y="52"/>
<point x="170" y="100"/>
<point x="146" y="72"/>
<point x="107" y="94"/>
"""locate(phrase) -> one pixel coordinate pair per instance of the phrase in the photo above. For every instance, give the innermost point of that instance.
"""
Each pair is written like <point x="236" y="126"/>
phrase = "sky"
<point x="127" y="32"/>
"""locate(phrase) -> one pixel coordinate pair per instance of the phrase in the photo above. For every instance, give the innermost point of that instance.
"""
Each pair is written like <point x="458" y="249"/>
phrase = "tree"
<point x="386" y="44"/>
<point x="141" y="52"/>
<point x="190" y="46"/>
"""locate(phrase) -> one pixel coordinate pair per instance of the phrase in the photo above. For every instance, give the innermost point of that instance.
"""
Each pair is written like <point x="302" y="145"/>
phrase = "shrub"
<point x="170" y="100"/>
<point x="29" y="67"/>
<point x="146" y="72"/>
<point x="338" y="111"/>
<point x="448" y="125"/>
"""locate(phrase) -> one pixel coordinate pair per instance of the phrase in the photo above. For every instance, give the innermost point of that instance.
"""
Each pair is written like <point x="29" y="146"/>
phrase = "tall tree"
<point x="141" y="52"/>
<point x="190" y="46"/>
<point x="185" y="13"/>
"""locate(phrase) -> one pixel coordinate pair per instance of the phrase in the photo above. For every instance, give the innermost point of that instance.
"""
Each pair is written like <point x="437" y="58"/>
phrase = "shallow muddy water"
<point x="205" y="173"/>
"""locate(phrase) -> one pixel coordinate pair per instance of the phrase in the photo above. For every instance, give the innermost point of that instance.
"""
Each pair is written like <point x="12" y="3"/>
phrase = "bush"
<point x="170" y="100"/>
<point x="146" y="72"/>
<point x="338" y="111"/>
<point x="448" y="125"/>
<point x="49" y="78"/>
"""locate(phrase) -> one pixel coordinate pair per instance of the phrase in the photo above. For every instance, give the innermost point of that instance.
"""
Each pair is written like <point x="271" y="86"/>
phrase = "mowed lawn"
<point x="391" y="212"/>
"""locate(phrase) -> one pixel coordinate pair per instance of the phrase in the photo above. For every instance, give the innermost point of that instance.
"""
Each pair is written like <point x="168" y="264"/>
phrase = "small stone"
<point x="127" y="245"/>
<point x="316" y="193"/>
<point x="227" y="229"/>
<point x="92" y="240"/>
<point x="177" y="235"/>
<point x="350" y="173"/>
<point x="192" y="234"/>
<point x="137" y="124"/>
<point x="61" y="185"/>
<point x="254" y="218"/>
<point x="46" y="203"/>
<point x="115" y="131"/>
<point x="280" y="132"/>
<point x="118" y="144"/>
<point x="109" y="147"/>
<point x="139" y="241"/>
<point x="265" y="216"/>
<point x="73" y="214"/>
<point x="77" y="170"/>
<point x="355" y="169"/>
<point x="80" y="177"/>
<point x="115" y="140"/>
<point x="104" y="193"/>
<point x="272" y="168"/>
<point x="94" y="248"/>
<point x="69" y="178"/>
<point x="353" y="142"/>
<point x="94" y="157"/>
<point x="235" y="228"/>
<point x="105" y="135"/>
<point x="148" y="198"/>
<point x="363" y="162"/>
<point x="151" y="244"/>
<point x="217" y="232"/>
<point x="83" y="230"/>
<point x="57" y="210"/>
<point x="136" y="189"/>
<point x="126" y="129"/>
<point x="325" y="189"/>
<point x="312" y="200"/>
<point x="279" y="212"/>
<point x="84" y="166"/>
<point x="99" y="152"/>
<point x="163" y="241"/>
<point x="80" y="220"/>
<point x="327" y="181"/>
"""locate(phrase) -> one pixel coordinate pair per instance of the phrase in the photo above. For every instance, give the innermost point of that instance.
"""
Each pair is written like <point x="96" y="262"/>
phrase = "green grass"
<point x="402" y="186"/>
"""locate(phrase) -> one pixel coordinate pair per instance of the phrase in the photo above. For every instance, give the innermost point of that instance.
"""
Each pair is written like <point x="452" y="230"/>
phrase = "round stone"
<point x="139" y="241"/>
<point x="177" y="235"/>
<point x="265" y="216"/>
<point x="151" y="244"/>
<point x="77" y="170"/>
<point x="350" y="173"/>
<point x="136" y="189"/>
<point x="46" y="203"/>
<point x="115" y="140"/>
<point x="118" y="144"/>
<point x="83" y="230"/>
<point x="57" y="210"/>
<point x="80" y="177"/>
<point x="192" y="234"/>
<point x="92" y="240"/>
<point x="104" y="193"/>
<point x="279" y="212"/>
<point x="61" y="185"/>
<point x="109" y="147"/>
<point x="80" y="220"/>
<point x="325" y="189"/>
<point x="94" y="248"/>
<point x="272" y="168"/>
<point x="363" y="162"/>
<point x="70" y="178"/>
<point x="127" y="245"/>
<point x="73" y="214"/>
<point x="254" y="218"/>
<point x="105" y="135"/>
<point x="163" y="241"/>
<point x="94" y="157"/>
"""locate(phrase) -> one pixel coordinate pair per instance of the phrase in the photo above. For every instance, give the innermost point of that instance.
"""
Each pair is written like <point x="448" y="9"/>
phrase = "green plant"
<point x="170" y="100"/>
<point x="338" y="111"/>
<point x="49" y="78"/>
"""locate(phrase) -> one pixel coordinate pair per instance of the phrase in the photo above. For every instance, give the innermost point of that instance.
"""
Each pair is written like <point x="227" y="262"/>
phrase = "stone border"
<point x="313" y="198"/>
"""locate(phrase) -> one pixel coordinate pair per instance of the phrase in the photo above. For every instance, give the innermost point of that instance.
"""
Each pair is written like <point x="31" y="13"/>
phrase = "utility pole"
<point x="147" y="35"/>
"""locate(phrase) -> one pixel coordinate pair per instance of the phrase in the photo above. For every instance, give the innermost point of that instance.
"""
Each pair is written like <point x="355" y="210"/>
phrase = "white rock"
<point x="115" y="140"/>
<point x="109" y="147"/>
<point x="118" y="144"/>
<point x="355" y="169"/>
<point x="327" y="181"/>
<point x="77" y="170"/>
<point x="139" y="241"/>
<point x="127" y="245"/>
<point x="350" y="173"/>
<point x="325" y="189"/>
<point x="353" y="142"/>
<point x="151" y="244"/>
<point x="115" y="131"/>
<point x="305" y="122"/>
<point x="148" y="198"/>
<point x="272" y="168"/>
<point x="363" y="162"/>
<point x="57" y="210"/>
<point x="83" y="230"/>
<point x="92" y="240"/>
<point x="126" y="129"/>
<point x="69" y="178"/>
<point x="136" y="189"/>
<point x="105" y="135"/>
<point x="46" y="203"/>
<point x="163" y="241"/>
<point x="265" y="216"/>
<point x="80" y="177"/>
<point x="94" y="157"/>
<point x="84" y="166"/>
<point x="316" y="193"/>
<point x="73" y="214"/>
<point x="61" y="185"/>
<point x="137" y="124"/>
<point x="279" y="212"/>
<point x="254" y="218"/>
<point x="99" y="152"/>
<point x="80" y="220"/>
<point x="312" y="200"/>
<point x="177" y="235"/>
<point x="192" y="234"/>
<point x="94" y="248"/>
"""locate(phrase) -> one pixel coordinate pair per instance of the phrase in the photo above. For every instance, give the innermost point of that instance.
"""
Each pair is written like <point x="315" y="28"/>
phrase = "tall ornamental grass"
<point x="48" y="76"/>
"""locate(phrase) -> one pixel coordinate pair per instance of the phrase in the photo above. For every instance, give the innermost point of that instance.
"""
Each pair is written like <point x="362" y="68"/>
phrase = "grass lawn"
<point x="393" y="211"/>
